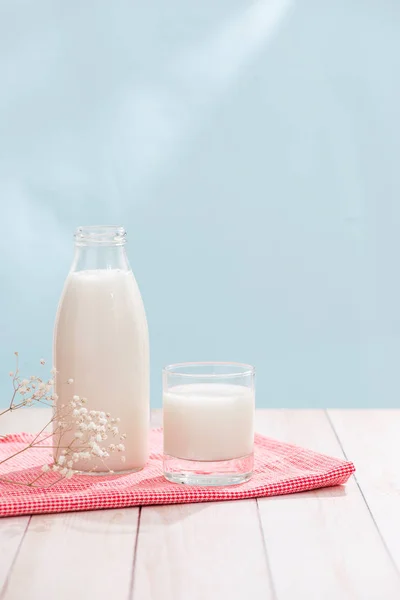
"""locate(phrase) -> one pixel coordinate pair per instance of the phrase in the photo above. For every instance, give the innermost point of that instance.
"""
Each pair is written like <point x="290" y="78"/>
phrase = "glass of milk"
<point x="208" y="412"/>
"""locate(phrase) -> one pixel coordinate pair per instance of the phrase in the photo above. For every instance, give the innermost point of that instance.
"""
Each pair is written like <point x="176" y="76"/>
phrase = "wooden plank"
<point x="73" y="555"/>
<point x="322" y="544"/>
<point x="80" y="546"/>
<point x="12" y="529"/>
<point x="201" y="551"/>
<point x="156" y="418"/>
<point x="371" y="438"/>
<point x="29" y="420"/>
<point x="64" y="553"/>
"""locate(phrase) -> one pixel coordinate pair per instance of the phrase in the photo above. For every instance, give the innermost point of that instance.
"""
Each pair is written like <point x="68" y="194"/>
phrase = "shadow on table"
<point x="122" y="521"/>
<point x="337" y="491"/>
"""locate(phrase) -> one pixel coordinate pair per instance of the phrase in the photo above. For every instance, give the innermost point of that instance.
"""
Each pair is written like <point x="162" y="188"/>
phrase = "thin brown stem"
<point x="13" y="407"/>
<point x="16" y="454"/>
<point x="41" y="431"/>
<point x="54" y="482"/>
<point x="30" y="484"/>
<point x="4" y="480"/>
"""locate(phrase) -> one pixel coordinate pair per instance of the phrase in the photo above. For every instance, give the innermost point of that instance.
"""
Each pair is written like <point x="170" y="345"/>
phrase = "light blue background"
<point x="251" y="149"/>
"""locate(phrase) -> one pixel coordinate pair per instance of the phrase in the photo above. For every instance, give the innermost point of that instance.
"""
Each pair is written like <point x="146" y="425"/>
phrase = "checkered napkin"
<point x="279" y="469"/>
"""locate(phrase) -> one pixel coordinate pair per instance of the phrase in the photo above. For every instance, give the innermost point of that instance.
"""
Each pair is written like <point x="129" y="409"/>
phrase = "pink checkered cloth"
<point x="279" y="469"/>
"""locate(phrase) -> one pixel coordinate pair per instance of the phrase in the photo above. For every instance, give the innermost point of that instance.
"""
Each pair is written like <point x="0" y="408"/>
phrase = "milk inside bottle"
<point x="101" y="347"/>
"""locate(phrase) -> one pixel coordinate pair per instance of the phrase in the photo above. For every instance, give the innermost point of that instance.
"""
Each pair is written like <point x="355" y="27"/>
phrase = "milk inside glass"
<point x="101" y="342"/>
<point x="208" y="421"/>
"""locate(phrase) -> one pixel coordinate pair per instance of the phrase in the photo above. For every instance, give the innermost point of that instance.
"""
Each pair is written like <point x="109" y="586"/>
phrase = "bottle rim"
<point x="100" y="235"/>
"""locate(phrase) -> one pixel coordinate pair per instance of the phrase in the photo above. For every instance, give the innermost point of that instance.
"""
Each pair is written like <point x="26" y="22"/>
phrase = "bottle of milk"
<point x="101" y="343"/>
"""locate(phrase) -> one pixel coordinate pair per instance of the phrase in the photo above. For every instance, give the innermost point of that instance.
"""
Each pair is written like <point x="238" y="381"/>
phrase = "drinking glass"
<point x="208" y="413"/>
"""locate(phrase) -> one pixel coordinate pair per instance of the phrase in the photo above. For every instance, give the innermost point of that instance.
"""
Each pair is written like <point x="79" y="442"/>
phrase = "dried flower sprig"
<point x="78" y="434"/>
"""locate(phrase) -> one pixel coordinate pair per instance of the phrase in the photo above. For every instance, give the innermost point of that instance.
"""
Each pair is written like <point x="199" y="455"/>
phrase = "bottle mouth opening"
<point x="100" y="235"/>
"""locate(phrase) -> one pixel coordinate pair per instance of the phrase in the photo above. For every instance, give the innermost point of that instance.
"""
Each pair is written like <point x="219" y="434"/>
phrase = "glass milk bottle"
<point x="101" y="346"/>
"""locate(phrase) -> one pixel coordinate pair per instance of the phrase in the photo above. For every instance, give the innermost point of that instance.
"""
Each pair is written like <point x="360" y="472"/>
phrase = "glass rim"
<point x="243" y="369"/>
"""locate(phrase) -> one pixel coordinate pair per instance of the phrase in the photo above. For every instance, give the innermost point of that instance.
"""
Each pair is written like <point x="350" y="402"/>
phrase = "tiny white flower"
<point x="98" y="438"/>
<point x="123" y="436"/>
<point x="55" y="468"/>
<point x="108" y="415"/>
<point x="82" y="411"/>
<point x="69" y="474"/>
<point x="32" y="378"/>
<point x="78" y="434"/>
<point x="50" y="382"/>
<point x="75" y="413"/>
<point x="61" y="460"/>
<point x="83" y="426"/>
<point x="70" y="464"/>
<point x="22" y="390"/>
<point x="64" y="471"/>
<point x="53" y="371"/>
<point x="75" y="398"/>
<point x="42" y="361"/>
<point x="111" y="447"/>
<point x="25" y="382"/>
<point x="54" y="397"/>
<point x="45" y="468"/>
<point x="118" y="420"/>
<point x="64" y="452"/>
<point x="69" y="381"/>
<point x="120" y="447"/>
<point x="96" y="450"/>
<point x="114" y="430"/>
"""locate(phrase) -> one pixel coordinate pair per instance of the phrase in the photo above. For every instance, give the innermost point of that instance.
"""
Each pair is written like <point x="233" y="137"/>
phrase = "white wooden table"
<point x="336" y="543"/>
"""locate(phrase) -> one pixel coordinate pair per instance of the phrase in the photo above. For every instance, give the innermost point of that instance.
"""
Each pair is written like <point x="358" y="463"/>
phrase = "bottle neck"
<point x="100" y="257"/>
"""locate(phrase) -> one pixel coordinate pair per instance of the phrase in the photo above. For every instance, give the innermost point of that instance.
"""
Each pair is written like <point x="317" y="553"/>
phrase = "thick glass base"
<point x="208" y="473"/>
<point x="104" y="473"/>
